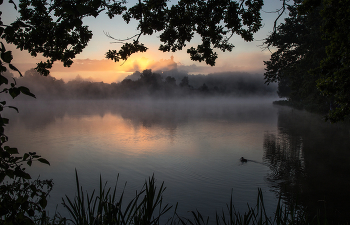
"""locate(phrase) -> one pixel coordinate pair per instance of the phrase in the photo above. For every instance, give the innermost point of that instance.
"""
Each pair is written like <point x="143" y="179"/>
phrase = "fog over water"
<point x="171" y="84"/>
<point x="193" y="145"/>
<point x="190" y="131"/>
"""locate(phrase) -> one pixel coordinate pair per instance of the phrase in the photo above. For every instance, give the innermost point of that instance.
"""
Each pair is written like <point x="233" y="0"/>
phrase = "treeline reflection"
<point x="309" y="162"/>
<point x="309" y="158"/>
<point x="147" y="113"/>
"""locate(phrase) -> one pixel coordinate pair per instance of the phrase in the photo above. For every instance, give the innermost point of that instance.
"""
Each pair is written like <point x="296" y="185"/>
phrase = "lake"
<point x="194" y="146"/>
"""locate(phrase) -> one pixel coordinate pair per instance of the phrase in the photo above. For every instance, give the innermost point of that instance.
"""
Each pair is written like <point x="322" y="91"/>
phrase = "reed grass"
<point x="147" y="208"/>
<point x="256" y="215"/>
<point x="106" y="208"/>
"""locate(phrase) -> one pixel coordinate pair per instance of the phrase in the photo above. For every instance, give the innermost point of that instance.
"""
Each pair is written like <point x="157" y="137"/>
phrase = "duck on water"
<point x="243" y="160"/>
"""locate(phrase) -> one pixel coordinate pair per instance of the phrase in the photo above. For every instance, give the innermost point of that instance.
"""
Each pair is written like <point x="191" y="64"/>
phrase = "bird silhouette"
<point x="243" y="160"/>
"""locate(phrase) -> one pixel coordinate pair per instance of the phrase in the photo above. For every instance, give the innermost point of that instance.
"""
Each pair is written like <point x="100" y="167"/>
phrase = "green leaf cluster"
<point x="22" y="200"/>
<point x="299" y="49"/>
<point x="334" y="69"/>
<point x="215" y="21"/>
<point x="311" y="63"/>
<point x="55" y="28"/>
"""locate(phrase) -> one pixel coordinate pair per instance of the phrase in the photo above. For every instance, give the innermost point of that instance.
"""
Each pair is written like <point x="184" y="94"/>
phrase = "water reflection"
<point x="195" y="147"/>
<point x="284" y="155"/>
<point x="146" y="113"/>
<point x="309" y="162"/>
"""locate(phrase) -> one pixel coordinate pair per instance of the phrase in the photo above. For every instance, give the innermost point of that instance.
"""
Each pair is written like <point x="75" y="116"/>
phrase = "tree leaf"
<point x="2" y="68"/>
<point x="22" y="174"/>
<point x="12" y="107"/>
<point x="5" y="120"/>
<point x="29" y="162"/>
<point x="12" y="67"/>
<point x="7" y="56"/>
<point x="3" y="80"/>
<point x="3" y="138"/>
<point x="10" y="174"/>
<point x="25" y="156"/>
<point x="2" y="177"/>
<point x="14" y="5"/>
<point x="31" y="212"/>
<point x="12" y="150"/>
<point x="3" y="49"/>
<point x="42" y="160"/>
<point x="14" y="92"/>
<point x="43" y="201"/>
<point x="26" y="91"/>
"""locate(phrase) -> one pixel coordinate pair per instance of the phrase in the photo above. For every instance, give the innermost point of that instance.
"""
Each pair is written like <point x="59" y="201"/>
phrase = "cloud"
<point x="96" y="76"/>
<point x="86" y="65"/>
<point x="243" y="62"/>
<point x="145" y="63"/>
<point x="131" y="65"/>
<point x="109" y="71"/>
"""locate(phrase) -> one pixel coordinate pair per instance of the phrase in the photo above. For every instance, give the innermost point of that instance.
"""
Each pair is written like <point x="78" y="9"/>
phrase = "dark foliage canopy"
<point x="300" y="48"/>
<point x="312" y="63"/>
<point x="334" y="68"/>
<point x="215" y="21"/>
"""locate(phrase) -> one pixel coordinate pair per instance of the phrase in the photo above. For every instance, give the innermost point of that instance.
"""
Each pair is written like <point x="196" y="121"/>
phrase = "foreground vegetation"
<point x="108" y="206"/>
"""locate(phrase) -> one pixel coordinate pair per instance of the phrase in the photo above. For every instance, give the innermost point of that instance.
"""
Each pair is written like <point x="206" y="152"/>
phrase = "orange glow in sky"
<point x="108" y="71"/>
<point x="142" y="63"/>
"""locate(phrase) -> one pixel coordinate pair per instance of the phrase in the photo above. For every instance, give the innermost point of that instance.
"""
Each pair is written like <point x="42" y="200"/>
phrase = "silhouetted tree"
<point x="334" y="69"/>
<point x="184" y="82"/>
<point x="170" y="81"/>
<point x="150" y="80"/>
<point x="283" y="88"/>
<point x="312" y="57"/>
<point x="43" y="87"/>
<point x="204" y="88"/>
<point x="170" y="86"/>
<point x="126" y="82"/>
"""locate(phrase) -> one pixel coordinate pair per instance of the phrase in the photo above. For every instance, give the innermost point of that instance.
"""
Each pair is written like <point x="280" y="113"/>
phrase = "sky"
<point x="91" y="63"/>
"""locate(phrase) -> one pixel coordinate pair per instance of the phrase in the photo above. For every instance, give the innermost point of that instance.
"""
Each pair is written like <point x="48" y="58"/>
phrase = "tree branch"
<point x="120" y="40"/>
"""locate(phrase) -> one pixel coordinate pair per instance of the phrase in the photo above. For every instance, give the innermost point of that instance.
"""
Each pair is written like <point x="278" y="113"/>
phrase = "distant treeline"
<point x="169" y="84"/>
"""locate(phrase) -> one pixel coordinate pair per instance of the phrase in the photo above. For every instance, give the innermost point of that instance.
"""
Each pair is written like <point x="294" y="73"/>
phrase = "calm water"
<point x="193" y="146"/>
